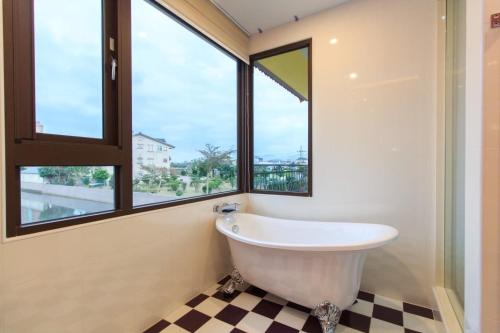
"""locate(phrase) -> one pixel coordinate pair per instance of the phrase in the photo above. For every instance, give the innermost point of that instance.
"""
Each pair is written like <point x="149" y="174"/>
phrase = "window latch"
<point x="114" y="65"/>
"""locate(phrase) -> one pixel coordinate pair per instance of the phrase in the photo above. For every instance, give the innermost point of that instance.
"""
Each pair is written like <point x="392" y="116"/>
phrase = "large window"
<point x="184" y="110"/>
<point x="92" y="134"/>
<point x="281" y="118"/>
<point x="118" y="106"/>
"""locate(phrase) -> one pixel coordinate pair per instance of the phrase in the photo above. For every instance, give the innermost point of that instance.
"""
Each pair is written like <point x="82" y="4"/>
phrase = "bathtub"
<point x="304" y="262"/>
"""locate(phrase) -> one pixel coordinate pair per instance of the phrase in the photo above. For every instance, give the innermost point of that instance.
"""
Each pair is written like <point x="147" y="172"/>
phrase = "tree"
<point x="214" y="158"/>
<point x="63" y="175"/>
<point x="196" y="182"/>
<point x="154" y="175"/>
<point x="100" y="175"/>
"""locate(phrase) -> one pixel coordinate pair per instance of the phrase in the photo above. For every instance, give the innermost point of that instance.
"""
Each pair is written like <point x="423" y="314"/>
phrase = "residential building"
<point x="149" y="151"/>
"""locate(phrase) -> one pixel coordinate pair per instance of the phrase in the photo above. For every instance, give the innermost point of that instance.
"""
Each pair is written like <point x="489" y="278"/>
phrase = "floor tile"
<point x="174" y="329"/>
<point x="407" y="330"/>
<point x="389" y="302"/>
<point x="366" y="296"/>
<point x="355" y="320"/>
<point x="211" y="306"/>
<point x="291" y="317"/>
<point x="419" y="323"/>
<point x="362" y="307"/>
<point x="215" y="326"/>
<point x="192" y="320"/>
<point x="381" y="326"/>
<point x="388" y="314"/>
<point x="254" y="323"/>
<point x="158" y="327"/>
<point x="212" y="290"/>
<point x="256" y="291"/>
<point x="418" y="310"/>
<point x="268" y="308"/>
<point x="311" y="325"/>
<point x="225" y="297"/>
<point x="224" y="280"/>
<point x="231" y="314"/>
<point x="280" y="328"/>
<point x="344" y="329"/>
<point x="173" y="316"/>
<point x="246" y="301"/>
<point x="197" y="300"/>
<point x="256" y="311"/>
<point x="237" y="330"/>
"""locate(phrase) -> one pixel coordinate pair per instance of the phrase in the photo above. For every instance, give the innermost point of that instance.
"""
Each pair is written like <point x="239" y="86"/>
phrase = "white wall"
<point x="115" y="276"/>
<point x="374" y="138"/>
<point x="491" y="174"/>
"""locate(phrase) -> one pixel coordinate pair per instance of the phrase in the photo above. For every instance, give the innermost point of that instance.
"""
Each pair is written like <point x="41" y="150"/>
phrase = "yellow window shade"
<point x="290" y="70"/>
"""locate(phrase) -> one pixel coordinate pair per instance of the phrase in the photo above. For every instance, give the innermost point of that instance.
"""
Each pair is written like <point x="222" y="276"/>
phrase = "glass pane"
<point x="68" y="67"/>
<point x="184" y="122"/>
<point x="280" y="112"/>
<point x="51" y="193"/>
<point x="454" y="240"/>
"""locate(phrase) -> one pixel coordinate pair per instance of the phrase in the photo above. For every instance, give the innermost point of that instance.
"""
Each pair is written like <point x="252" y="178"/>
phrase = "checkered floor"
<point x="253" y="310"/>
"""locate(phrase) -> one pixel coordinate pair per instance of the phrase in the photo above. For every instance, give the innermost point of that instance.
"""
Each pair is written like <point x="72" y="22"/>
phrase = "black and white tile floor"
<point x="253" y="310"/>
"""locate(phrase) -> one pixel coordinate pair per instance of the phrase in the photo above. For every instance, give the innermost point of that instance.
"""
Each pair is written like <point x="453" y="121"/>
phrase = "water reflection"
<point x="42" y="207"/>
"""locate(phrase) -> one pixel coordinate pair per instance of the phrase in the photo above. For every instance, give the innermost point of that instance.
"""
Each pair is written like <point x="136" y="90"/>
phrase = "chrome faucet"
<point x="227" y="208"/>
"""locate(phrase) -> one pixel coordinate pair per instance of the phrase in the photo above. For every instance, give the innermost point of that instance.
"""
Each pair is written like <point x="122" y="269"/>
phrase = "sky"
<point x="184" y="88"/>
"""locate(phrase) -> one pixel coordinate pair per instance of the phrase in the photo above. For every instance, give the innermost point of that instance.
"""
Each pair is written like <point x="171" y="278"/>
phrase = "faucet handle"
<point x="227" y="208"/>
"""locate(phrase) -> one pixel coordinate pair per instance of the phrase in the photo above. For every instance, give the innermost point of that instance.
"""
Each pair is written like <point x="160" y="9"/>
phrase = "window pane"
<point x="68" y="67"/>
<point x="280" y="114"/>
<point x="51" y="193"/>
<point x="184" y="111"/>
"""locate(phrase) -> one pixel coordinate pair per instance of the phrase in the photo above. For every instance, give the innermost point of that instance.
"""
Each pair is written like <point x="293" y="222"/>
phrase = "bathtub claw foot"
<point x="235" y="281"/>
<point x="328" y="315"/>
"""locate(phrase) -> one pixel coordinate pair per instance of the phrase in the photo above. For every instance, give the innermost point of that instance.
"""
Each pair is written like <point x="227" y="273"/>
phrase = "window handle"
<point x="114" y="65"/>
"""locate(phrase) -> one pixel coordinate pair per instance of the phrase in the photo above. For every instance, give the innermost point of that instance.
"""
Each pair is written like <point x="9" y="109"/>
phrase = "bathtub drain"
<point x="235" y="228"/>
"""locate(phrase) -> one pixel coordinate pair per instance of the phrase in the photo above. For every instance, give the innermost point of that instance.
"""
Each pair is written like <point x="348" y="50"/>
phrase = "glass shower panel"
<point x="455" y="155"/>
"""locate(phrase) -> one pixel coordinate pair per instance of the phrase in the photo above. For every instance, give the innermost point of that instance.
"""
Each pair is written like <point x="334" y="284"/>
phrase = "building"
<point x="149" y="151"/>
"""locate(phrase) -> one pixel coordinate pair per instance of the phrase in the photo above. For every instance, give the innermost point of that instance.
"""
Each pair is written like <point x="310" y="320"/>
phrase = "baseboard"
<point x="450" y="321"/>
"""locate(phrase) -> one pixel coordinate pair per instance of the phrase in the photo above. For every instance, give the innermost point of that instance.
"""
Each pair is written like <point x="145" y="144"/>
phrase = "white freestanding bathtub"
<point x="304" y="262"/>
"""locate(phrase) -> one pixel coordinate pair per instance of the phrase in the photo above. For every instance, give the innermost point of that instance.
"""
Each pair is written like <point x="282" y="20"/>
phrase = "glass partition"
<point x="455" y="155"/>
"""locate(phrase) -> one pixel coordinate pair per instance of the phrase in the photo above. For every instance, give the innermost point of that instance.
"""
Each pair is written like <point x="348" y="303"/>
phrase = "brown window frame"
<point x="250" y="160"/>
<point x="25" y="147"/>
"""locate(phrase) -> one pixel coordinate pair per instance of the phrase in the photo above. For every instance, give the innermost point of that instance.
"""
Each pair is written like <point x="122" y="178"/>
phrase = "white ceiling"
<point x="251" y="15"/>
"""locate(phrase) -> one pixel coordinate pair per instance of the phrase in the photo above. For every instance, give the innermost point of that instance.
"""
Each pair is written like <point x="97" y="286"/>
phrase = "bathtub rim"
<point x="390" y="236"/>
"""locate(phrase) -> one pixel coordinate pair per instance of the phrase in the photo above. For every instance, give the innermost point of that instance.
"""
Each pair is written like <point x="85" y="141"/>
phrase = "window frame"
<point x="25" y="147"/>
<point x="250" y="160"/>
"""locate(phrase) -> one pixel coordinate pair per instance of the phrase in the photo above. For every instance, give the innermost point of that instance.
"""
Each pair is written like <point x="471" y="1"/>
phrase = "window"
<point x="53" y="193"/>
<point x="281" y="118"/>
<point x="184" y="96"/>
<point x="68" y="67"/>
<point x="79" y="113"/>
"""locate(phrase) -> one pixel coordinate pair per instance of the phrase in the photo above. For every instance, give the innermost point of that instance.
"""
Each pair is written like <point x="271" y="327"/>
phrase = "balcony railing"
<point x="280" y="177"/>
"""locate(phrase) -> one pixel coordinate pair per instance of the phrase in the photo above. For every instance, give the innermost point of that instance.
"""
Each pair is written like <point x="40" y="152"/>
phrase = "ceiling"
<point x="252" y="15"/>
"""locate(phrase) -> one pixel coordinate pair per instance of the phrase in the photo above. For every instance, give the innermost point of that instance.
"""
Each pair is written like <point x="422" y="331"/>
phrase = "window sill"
<point x="46" y="228"/>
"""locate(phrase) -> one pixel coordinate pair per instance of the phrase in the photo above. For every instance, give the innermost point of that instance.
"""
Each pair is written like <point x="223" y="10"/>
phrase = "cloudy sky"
<point x="184" y="89"/>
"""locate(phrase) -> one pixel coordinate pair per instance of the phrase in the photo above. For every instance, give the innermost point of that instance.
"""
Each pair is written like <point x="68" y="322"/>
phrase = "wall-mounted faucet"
<point x="227" y="208"/>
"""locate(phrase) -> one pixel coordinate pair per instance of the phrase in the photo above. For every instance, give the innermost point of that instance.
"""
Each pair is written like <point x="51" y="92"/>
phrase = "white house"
<point x="149" y="151"/>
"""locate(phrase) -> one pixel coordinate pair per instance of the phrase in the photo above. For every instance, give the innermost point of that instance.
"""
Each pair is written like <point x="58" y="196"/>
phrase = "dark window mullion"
<point x="123" y="86"/>
<point x="23" y="68"/>
<point x="110" y="51"/>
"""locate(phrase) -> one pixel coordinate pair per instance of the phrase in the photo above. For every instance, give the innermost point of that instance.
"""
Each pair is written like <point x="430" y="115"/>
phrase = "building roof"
<point x="158" y="140"/>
